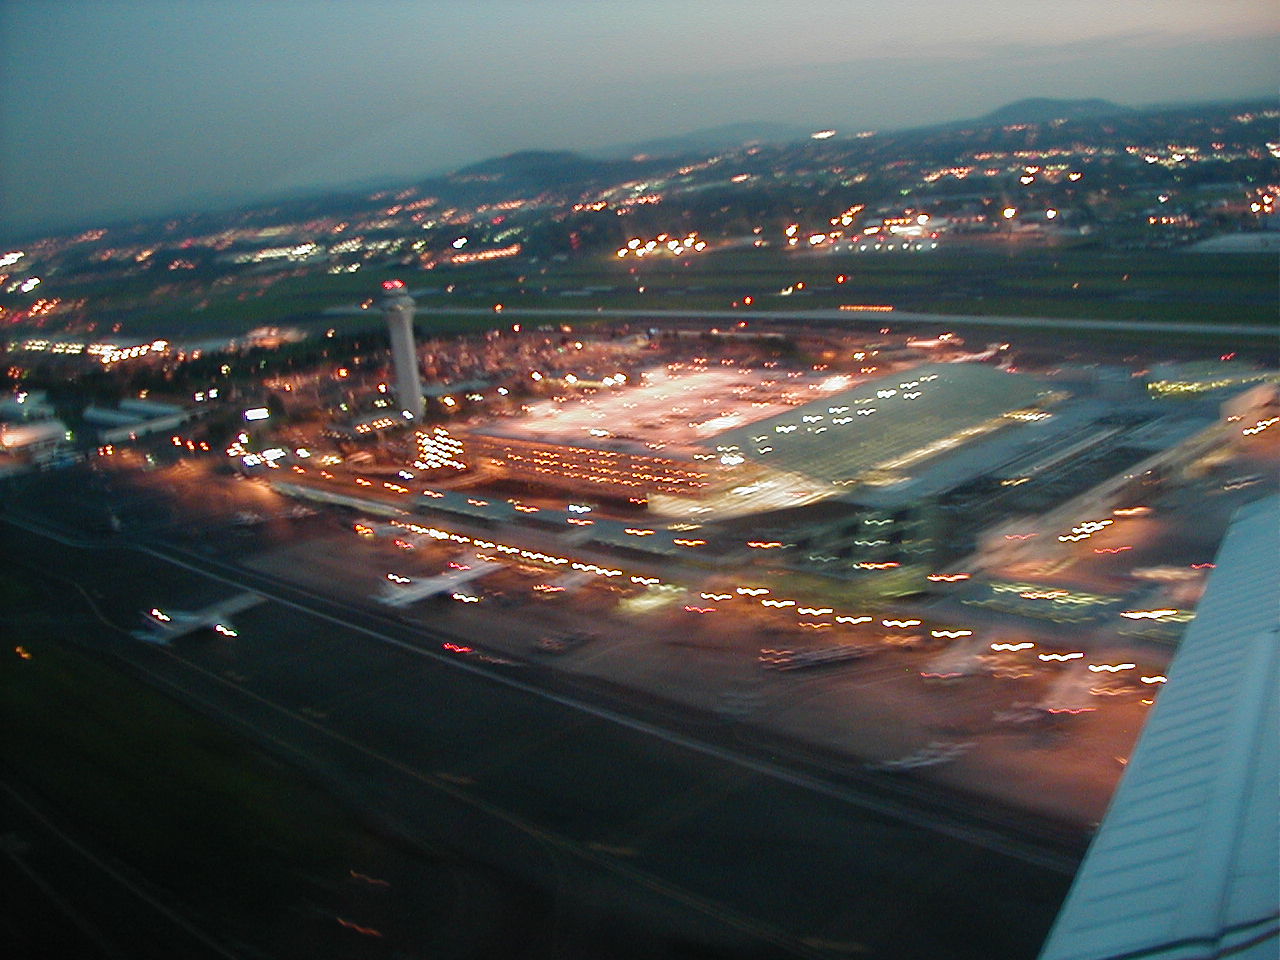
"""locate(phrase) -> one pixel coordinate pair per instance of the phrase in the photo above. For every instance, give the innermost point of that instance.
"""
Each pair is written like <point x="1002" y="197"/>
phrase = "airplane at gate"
<point x="402" y="591"/>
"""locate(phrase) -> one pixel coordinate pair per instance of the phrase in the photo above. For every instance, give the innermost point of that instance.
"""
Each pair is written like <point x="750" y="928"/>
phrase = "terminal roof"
<point x="905" y="416"/>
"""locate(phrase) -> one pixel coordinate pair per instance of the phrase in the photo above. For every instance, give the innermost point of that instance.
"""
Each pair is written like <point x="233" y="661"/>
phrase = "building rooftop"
<point x="1186" y="862"/>
<point x="668" y="409"/>
<point x="889" y="423"/>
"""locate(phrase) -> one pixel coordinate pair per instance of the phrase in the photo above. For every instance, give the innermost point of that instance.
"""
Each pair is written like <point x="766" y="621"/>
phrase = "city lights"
<point x="663" y="243"/>
<point x="580" y="467"/>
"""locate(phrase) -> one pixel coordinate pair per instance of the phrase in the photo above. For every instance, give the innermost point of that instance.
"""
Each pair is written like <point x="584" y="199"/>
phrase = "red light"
<point x="392" y="284"/>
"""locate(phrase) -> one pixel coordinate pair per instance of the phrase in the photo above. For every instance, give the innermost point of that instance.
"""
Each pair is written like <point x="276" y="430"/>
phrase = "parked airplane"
<point x="164" y="626"/>
<point x="402" y="591"/>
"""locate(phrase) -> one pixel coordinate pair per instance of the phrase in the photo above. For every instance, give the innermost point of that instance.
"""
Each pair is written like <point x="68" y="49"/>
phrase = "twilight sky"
<point x="111" y="108"/>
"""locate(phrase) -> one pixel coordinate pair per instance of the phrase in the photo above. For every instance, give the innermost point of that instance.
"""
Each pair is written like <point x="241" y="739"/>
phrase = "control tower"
<point x="397" y="309"/>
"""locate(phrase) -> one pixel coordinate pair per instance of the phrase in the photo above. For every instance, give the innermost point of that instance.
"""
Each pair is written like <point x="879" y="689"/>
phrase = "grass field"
<point x="1069" y="283"/>
<point x="1011" y="281"/>
<point x="215" y="824"/>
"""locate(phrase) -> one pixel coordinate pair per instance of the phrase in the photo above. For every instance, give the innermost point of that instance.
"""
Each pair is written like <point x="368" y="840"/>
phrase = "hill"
<point x="710" y="140"/>
<point x="1044" y="109"/>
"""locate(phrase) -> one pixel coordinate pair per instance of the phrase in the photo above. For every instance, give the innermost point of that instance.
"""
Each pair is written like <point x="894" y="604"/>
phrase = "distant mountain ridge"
<point x="732" y="136"/>
<point x="1045" y="109"/>
<point x="728" y="136"/>
<point x="527" y="165"/>
<point x="533" y="171"/>
<point x="529" y="173"/>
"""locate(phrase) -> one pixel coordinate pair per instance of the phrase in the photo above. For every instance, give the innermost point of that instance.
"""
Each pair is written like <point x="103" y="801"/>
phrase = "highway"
<point x="620" y="821"/>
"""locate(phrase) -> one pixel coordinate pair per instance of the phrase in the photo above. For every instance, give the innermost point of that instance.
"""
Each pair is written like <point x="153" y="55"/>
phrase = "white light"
<point x="257" y="413"/>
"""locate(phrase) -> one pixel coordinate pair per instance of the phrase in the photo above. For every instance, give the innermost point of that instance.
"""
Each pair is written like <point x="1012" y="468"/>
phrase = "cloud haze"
<point x="116" y="109"/>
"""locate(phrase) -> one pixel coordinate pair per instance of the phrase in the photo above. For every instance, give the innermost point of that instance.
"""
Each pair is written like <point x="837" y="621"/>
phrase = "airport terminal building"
<point x="615" y="469"/>
<point x="720" y="450"/>
<point x="904" y="468"/>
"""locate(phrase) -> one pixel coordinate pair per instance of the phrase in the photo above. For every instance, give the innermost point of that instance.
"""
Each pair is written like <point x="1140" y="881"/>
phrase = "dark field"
<point x="1066" y="282"/>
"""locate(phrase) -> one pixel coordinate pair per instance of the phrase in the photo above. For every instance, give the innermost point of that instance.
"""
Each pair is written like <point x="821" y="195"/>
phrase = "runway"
<point x="701" y="842"/>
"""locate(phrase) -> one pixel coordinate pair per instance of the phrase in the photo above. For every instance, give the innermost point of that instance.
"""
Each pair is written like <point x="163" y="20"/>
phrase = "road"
<point x="867" y="318"/>
<point x="620" y="823"/>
